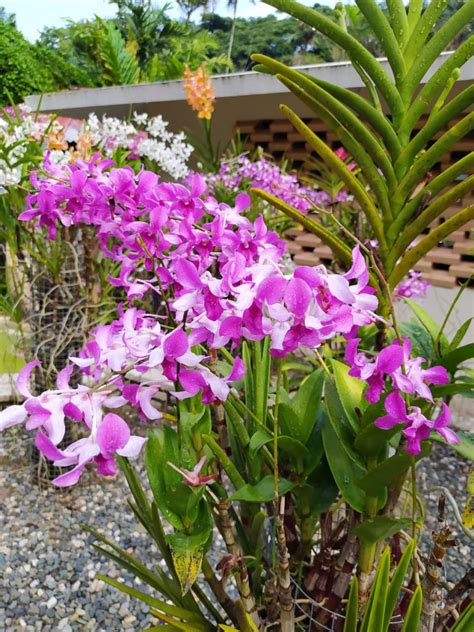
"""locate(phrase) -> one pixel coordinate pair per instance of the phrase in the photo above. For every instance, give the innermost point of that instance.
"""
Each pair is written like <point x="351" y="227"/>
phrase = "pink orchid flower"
<point x="416" y="426"/>
<point x="193" y="478"/>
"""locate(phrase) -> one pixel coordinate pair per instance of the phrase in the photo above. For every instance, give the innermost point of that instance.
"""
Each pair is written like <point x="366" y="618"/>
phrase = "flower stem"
<point x="414" y="524"/>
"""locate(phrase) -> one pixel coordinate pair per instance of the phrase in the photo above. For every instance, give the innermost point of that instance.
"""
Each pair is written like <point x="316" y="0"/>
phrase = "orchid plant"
<point x="299" y="405"/>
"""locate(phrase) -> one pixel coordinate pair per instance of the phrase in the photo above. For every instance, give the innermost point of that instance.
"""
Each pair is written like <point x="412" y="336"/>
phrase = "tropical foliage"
<point x="286" y="406"/>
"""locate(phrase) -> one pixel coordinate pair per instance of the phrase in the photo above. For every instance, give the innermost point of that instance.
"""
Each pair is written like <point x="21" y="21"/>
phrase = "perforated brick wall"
<point x="451" y="263"/>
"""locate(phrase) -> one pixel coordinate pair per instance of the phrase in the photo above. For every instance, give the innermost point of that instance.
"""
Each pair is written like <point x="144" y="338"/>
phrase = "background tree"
<point x="26" y="68"/>
<point x="188" y="7"/>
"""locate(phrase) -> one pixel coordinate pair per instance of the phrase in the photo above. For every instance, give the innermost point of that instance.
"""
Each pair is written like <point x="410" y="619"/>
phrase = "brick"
<point x="282" y="145"/>
<point x="462" y="270"/>
<point x="279" y="127"/>
<point x="261" y="137"/>
<point x="307" y="259"/>
<point x="294" y="137"/>
<point x="443" y="255"/>
<point x="308" y="239"/>
<point x="423" y="266"/>
<point x="440" y="278"/>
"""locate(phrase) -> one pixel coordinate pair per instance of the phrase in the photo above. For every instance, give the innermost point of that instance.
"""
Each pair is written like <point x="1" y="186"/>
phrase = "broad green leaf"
<point x="352" y="608"/>
<point x="465" y="448"/>
<point x="187" y="565"/>
<point x="350" y="391"/>
<point x="371" y="440"/>
<point x="413" y="615"/>
<point x="314" y="446"/>
<point x="345" y="470"/>
<point x="454" y="358"/>
<point x="319" y="492"/>
<point x="421" y="341"/>
<point x="428" y="323"/>
<point x="466" y="389"/>
<point x="298" y="417"/>
<point x="384" y="473"/>
<point x="292" y="447"/>
<point x="263" y="491"/>
<point x="258" y="440"/>
<point x="155" y="466"/>
<point x="459" y="335"/>
<point x="340" y="422"/>
<point x="374" y="529"/>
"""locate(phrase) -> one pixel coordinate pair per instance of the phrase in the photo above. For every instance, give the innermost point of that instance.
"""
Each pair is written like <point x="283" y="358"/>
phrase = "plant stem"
<point x="242" y="577"/>
<point x="367" y="551"/>
<point x="413" y="515"/>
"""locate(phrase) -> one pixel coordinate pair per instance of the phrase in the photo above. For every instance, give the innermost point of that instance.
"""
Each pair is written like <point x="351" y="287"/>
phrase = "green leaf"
<point x="428" y="323"/>
<point x="258" y="440"/>
<point x="466" y="389"/>
<point x="320" y="490"/>
<point x="375" y="612"/>
<point x="298" y="416"/>
<point x="374" y="529"/>
<point x="340" y="422"/>
<point x="338" y="247"/>
<point x="263" y="491"/>
<point x="421" y="341"/>
<point x="220" y="454"/>
<point x="345" y="471"/>
<point x="454" y="358"/>
<point x="352" y="608"/>
<point x="384" y="473"/>
<point x="413" y="615"/>
<point x="465" y="448"/>
<point x="314" y="446"/>
<point x="156" y="464"/>
<point x="430" y="241"/>
<point x="350" y="391"/>
<point x="459" y="335"/>
<point x="372" y="440"/>
<point x="292" y="447"/>
<point x="181" y="613"/>
<point x="397" y="582"/>
<point x="465" y="622"/>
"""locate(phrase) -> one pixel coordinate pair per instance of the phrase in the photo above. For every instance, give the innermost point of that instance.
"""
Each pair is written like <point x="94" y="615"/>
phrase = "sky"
<point x="33" y="15"/>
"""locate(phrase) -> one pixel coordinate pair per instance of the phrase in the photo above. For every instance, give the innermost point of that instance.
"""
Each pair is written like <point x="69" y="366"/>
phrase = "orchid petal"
<point x="24" y="378"/>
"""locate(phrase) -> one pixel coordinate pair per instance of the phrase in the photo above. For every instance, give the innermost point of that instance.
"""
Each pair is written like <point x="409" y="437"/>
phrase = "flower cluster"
<point x="144" y="137"/>
<point x="241" y="172"/>
<point x="222" y="277"/>
<point x="406" y="376"/>
<point x="412" y="286"/>
<point x="19" y="129"/>
<point x="199" y="92"/>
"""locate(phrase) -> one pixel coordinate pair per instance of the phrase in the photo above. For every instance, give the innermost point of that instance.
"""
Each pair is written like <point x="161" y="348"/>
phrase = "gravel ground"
<point x="49" y="569"/>
<point x="444" y="468"/>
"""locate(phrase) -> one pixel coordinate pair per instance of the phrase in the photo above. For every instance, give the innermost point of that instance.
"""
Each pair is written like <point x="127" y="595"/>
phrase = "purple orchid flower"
<point x="387" y="362"/>
<point x="416" y="426"/>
